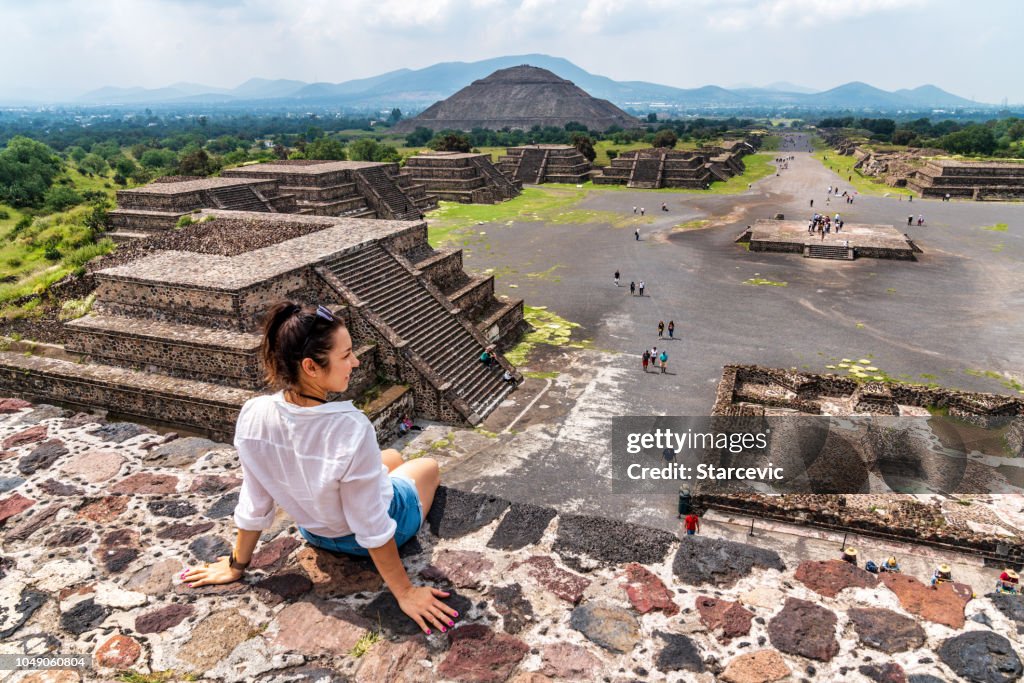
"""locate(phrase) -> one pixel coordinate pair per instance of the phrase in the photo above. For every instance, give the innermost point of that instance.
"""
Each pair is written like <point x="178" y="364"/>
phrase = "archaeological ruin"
<point x="462" y="177"/>
<point x="662" y="167"/>
<point x="355" y="189"/>
<point x="519" y="98"/>
<point x="536" y="164"/>
<point x="855" y="240"/>
<point x="969" y="180"/>
<point x="942" y="521"/>
<point x="173" y="336"/>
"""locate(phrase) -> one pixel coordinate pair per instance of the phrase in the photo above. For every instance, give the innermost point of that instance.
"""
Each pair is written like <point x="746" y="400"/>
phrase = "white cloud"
<point x="83" y="45"/>
<point x="751" y="14"/>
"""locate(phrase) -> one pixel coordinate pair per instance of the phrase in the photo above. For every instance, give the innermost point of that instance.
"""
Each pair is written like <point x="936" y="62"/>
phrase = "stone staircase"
<point x="646" y="172"/>
<point x="828" y="251"/>
<point x="505" y="186"/>
<point x="395" y="203"/>
<point x="238" y="198"/>
<point x="531" y="165"/>
<point x="433" y="331"/>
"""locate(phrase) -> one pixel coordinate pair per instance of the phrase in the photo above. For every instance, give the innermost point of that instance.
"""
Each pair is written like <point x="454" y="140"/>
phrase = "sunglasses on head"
<point x="321" y="312"/>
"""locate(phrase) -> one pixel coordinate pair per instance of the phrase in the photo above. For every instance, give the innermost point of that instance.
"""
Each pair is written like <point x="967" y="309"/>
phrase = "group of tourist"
<point x="920" y="219"/>
<point x="823" y="223"/>
<point x="635" y="288"/>
<point x="656" y="358"/>
<point x="1008" y="581"/>
<point x="671" y="328"/>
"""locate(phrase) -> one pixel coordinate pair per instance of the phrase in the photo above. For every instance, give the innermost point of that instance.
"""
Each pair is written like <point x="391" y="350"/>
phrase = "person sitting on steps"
<point x="319" y="460"/>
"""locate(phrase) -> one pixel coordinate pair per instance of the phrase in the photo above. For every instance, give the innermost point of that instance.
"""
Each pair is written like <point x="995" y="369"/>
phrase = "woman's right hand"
<point x="219" y="572"/>
<point x="423" y="606"/>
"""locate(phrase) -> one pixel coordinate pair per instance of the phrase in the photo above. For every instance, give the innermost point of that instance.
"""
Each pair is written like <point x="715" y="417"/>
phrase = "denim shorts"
<point x="405" y="509"/>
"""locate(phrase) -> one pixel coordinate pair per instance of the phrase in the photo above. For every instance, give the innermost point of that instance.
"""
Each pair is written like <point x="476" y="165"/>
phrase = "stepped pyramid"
<point x="519" y="98"/>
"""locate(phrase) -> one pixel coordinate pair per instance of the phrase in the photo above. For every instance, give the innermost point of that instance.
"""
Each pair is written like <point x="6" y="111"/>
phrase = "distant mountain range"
<point x="418" y="88"/>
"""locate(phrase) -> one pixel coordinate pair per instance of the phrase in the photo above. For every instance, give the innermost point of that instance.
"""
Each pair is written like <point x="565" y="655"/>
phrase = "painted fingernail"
<point x="428" y="631"/>
<point x="456" y="614"/>
<point x="444" y="630"/>
<point x="451" y="623"/>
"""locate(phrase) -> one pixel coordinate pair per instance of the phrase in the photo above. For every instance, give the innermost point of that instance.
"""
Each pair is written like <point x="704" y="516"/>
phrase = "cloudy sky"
<point x="67" y="47"/>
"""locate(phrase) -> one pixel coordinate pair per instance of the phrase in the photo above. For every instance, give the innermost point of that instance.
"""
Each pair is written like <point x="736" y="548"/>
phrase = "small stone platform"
<point x="462" y="177"/>
<point x="855" y="240"/>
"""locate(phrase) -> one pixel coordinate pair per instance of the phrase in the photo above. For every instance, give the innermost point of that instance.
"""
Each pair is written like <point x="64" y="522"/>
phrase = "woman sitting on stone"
<point x="319" y="460"/>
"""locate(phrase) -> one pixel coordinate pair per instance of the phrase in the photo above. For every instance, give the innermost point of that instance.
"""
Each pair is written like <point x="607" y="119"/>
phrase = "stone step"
<point x="179" y="350"/>
<point x="123" y="236"/>
<point x="433" y="332"/>
<point x="203" y="406"/>
<point x="828" y="251"/>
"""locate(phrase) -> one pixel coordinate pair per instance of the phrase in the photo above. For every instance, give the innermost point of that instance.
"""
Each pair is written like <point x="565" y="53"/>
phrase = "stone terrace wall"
<point x="735" y="397"/>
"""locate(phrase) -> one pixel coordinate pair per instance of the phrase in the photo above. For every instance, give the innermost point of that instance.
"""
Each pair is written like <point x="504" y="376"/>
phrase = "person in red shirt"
<point x="692" y="524"/>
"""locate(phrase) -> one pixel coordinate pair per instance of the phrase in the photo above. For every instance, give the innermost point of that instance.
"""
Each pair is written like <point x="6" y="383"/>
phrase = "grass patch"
<point x="545" y="203"/>
<point x="546" y="275"/>
<point x="842" y="165"/>
<point x="762" y="282"/>
<point x="547" y="328"/>
<point x="541" y="375"/>
<point x="365" y="642"/>
<point x="1007" y="382"/>
<point x="76" y="308"/>
<point x="136" y="677"/>
<point x="692" y="225"/>
<point x="998" y="227"/>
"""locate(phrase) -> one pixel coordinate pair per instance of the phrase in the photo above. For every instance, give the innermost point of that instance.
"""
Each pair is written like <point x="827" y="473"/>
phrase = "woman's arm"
<point x="220" y="571"/>
<point x="421" y="603"/>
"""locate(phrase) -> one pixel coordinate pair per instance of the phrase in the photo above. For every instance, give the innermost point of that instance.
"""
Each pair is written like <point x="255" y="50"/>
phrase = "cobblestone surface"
<point x="84" y="569"/>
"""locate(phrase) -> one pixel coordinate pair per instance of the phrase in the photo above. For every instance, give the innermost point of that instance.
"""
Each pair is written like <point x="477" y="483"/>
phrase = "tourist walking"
<point x="632" y="288"/>
<point x="910" y="219"/>
<point x="663" y="357"/>
<point x="920" y="219"/>
<point x="645" y="359"/>
<point x="691" y="524"/>
<point x="641" y="287"/>
<point x="661" y="328"/>
<point x="671" y="328"/>
<point x="634" y="209"/>
<point x="641" y="211"/>
<point x="319" y="461"/>
<point x="636" y="234"/>
<point x="616" y="278"/>
<point x="812" y="203"/>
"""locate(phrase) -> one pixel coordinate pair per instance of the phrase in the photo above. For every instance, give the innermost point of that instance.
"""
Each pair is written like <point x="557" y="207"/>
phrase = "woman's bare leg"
<point x="427" y="476"/>
<point x="391" y="458"/>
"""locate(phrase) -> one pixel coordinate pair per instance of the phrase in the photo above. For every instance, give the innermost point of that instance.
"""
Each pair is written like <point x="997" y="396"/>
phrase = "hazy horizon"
<point x="818" y="44"/>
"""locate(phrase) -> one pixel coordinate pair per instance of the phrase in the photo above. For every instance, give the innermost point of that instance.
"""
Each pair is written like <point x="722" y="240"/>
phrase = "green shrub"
<point x="185" y="221"/>
<point x="60" y="198"/>
<point x="52" y="253"/>
<point x="79" y="257"/>
<point x="76" y="308"/>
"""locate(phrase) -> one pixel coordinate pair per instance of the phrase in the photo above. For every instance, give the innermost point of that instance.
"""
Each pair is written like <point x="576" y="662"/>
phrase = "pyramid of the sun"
<point x="519" y="98"/>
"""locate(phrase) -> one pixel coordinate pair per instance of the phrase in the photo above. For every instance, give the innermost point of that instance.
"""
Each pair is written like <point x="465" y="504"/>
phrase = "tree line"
<point x="996" y="137"/>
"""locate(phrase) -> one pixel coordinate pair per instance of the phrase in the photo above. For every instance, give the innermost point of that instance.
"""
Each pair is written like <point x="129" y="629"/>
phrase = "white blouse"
<point x="321" y="464"/>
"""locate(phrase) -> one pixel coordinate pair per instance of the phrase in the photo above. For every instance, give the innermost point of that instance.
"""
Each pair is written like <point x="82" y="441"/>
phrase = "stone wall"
<point x="738" y="394"/>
